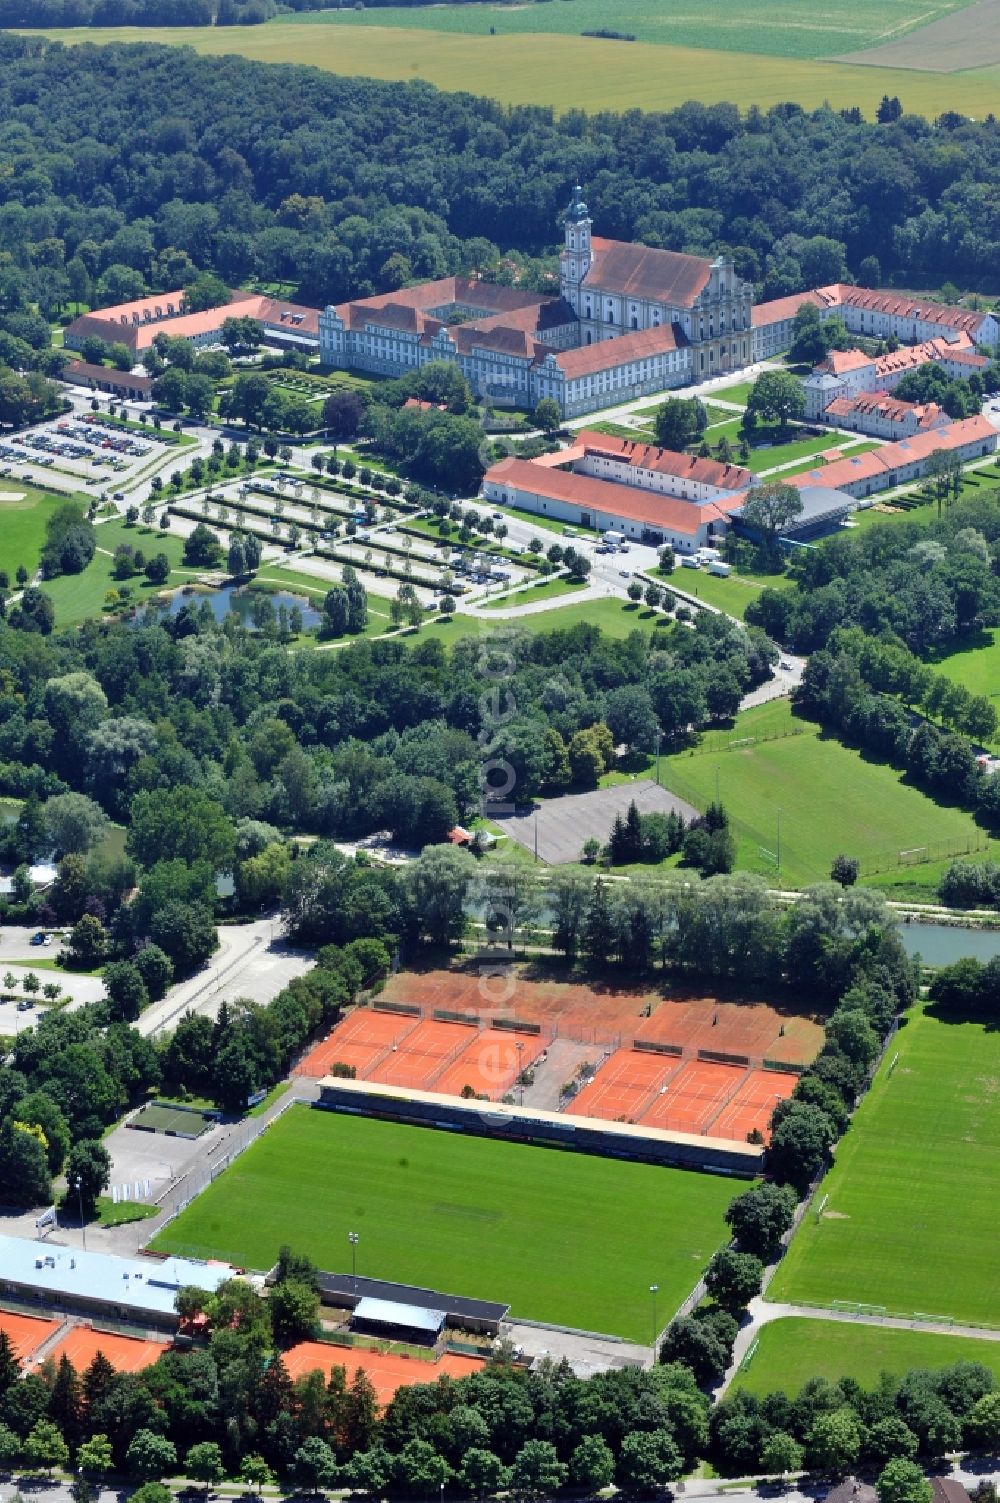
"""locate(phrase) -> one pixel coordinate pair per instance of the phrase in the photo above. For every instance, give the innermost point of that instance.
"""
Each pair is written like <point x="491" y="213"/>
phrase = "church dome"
<point x="576" y="209"/>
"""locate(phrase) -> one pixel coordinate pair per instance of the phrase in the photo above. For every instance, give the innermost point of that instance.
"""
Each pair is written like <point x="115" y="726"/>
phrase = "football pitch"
<point x="792" y="1351"/>
<point x="910" y="1218"/>
<point x="805" y="783"/>
<point x="562" y="1237"/>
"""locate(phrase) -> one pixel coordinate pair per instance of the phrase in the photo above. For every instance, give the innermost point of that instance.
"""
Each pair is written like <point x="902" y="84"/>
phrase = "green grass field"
<point x="829" y="797"/>
<point x="792" y="1351"/>
<point x="573" y="72"/>
<point x="910" y="1220"/>
<point x="78" y="597"/>
<point x="22" y="523"/>
<point x="975" y="663"/>
<point x="563" y="1237"/>
<point x="732" y="593"/>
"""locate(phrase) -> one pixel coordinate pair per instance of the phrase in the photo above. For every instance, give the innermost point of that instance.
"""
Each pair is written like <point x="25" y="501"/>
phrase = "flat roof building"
<point x="101" y="1285"/>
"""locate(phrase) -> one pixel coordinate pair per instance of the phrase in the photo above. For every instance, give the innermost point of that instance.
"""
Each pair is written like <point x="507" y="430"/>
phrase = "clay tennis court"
<point x="612" y="1015"/>
<point x="624" y="1086"/>
<point x="421" y="1056"/>
<point x="360" y="1041"/>
<point x="386" y="1371"/>
<point x="480" y="991"/>
<point x="490" y="1063"/>
<point x="26" y="1333"/>
<point x="125" y="1353"/>
<point x="751" y="1107"/>
<point x="697" y="1096"/>
<point x="752" y="1029"/>
<point x="693" y="1097"/>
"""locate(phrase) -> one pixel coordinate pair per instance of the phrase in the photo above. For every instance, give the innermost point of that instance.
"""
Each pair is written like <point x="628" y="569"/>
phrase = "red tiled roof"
<point x="106" y="322"/>
<point x="608" y="353"/>
<point x="880" y="404"/>
<point x="730" y="477"/>
<point x="273" y="313"/>
<point x="896" y="456"/>
<point x="641" y="271"/>
<point x="781" y="308"/>
<point x="496" y="336"/>
<point x="903" y="305"/>
<point x="613" y="500"/>
<point x="489" y="296"/>
<point x="911" y="356"/>
<point x="839" y="362"/>
<point x="82" y="370"/>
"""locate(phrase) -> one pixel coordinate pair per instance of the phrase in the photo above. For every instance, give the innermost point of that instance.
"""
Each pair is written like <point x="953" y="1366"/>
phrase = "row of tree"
<point x="920" y="585"/>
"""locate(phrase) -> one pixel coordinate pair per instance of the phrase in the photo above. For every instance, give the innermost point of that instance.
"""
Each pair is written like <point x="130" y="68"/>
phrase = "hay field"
<point x="569" y="72"/>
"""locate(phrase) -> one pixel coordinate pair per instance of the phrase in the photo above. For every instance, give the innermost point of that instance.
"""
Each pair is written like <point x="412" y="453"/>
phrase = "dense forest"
<point x="126" y="168"/>
<point x="148" y="12"/>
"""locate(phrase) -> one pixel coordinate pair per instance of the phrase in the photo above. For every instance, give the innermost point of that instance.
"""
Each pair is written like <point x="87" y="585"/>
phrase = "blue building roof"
<point x="137" y="1284"/>
<point x="386" y="1312"/>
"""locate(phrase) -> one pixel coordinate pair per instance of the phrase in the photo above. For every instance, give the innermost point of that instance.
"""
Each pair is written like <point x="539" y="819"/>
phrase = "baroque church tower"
<point x="577" y="254"/>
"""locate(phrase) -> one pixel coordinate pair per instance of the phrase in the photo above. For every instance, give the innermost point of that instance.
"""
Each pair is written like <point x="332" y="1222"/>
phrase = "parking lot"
<point x="561" y="825"/>
<point x="84" y="450"/>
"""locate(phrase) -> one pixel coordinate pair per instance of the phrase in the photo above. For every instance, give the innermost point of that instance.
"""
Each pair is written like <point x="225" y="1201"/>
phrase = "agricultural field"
<point x="791" y="1351"/>
<point x="807" y="781"/>
<point x="909" y="1221"/>
<point x="783" y="28"/>
<point x="564" y="1237"/>
<point x="966" y="38"/>
<point x="572" y="71"/>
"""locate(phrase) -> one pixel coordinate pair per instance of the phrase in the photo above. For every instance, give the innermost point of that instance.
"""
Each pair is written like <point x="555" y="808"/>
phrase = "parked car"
<point x="39" y="938"/>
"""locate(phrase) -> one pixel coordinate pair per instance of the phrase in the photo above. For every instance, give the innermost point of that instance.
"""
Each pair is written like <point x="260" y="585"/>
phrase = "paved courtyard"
<point x="564" y="824"/>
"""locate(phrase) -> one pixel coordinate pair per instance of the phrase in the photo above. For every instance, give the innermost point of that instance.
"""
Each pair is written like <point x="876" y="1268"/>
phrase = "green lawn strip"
<point x="731" y="593"/>
<point x="109" y="1214"/>
<point x="159" y="435"/>
<point x="792" y="1351"/>
<point x="718" y="414"/>
<point x="762" y="458"/>
<point x="910" y="1217"/>
<point x="914" y="508"/>
<point x="739" y="393"/>
<point x="564" y="1237"/>
<point x="828" y="799"/>
<point x="550" y="524"/>
<point x="919" y="884"/>
<point x="272" y="1096"/>
<point x="547" y="589"/>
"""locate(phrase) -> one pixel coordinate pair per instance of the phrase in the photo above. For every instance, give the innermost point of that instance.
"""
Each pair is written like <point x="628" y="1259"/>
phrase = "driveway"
<point x="252" y="961"/>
